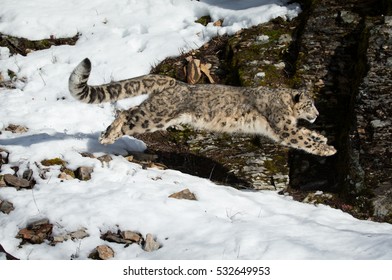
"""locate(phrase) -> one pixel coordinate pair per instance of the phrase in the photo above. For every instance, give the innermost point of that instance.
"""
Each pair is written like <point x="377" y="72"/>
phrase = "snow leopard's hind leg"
<point x="137" y="120"/>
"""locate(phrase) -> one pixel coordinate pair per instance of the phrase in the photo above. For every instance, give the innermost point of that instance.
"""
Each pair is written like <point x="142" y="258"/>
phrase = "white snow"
<point x="123" y="39"/>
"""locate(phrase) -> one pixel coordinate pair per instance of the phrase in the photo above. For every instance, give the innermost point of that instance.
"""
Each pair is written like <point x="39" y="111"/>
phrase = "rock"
<point x="53" y="161"/>
<point x="280" y="66"/>
<point x="260" y="75"/>
<point x="4" y="155"/>
<point x="114" y="237"/>
<point x="285" y="39"/>
<point x="150" y="244"/>
<point x="59" y="239"/>
<point x="262" y="39"/>
<point x="379" y="124"/>
<point x="139" y="156"/>
<point x="6" y="207"/>
<point x="83" y="173"/>
<point x="86" y="154"/>
<point x="204" y="20"/>
<point x="28" y="174"/>
<point x="16" y="182"/>
<point x="65" y="176"/>
<point x="155" y="165"/>
<point x="219" y="22"/>
<point x="132" y="236"/>
<point x="2" y="182"/>
<point x="348" y="17"/>
<point x="14" y="128"/>
<point x="79" y="234"/>
<point x="105" y="159"/>
<point x="184" y="194"/>
<point x="36" y="232"/>
<point x="102" y="252"/>
<point x="123" y="237"/>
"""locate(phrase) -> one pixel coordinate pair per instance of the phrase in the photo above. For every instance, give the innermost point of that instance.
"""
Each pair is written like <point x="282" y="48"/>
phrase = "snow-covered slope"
<point x="124" y="39"/>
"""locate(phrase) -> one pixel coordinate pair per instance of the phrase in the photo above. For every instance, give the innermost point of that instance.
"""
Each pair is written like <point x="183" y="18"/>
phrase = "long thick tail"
<point x="80" y="90"/>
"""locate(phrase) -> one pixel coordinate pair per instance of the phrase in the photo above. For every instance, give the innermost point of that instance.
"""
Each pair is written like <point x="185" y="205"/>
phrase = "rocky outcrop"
<point x="343" y="51"/>
<point x="371" y="136"/>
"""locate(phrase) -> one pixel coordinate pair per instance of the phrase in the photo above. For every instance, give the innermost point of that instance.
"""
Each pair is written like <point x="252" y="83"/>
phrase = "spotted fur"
<point x="261" y="110"/>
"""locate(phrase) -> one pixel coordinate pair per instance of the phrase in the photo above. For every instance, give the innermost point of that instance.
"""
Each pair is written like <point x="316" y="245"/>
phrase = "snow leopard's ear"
<point x="297" y="97"/>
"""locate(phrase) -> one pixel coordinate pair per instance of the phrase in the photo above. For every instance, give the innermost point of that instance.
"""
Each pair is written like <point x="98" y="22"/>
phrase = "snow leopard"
<point x="271" y="112"/>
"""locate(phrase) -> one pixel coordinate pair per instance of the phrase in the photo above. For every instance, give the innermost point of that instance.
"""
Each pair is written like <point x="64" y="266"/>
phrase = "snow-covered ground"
<point x="123" y="39"/>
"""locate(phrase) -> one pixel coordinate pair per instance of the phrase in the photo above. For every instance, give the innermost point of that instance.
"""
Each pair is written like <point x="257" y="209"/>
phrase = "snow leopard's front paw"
<point x="318" y="137"/>
<point x="325" y="150"/>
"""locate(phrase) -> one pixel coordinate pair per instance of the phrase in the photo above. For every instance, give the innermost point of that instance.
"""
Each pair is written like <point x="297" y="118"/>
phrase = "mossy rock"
<point x="260" y="49"/>
<point x="53" y="161"/>
<point x="23" y="46"/>
<point x="68" y="171"/>
<point x="204" y="20"/>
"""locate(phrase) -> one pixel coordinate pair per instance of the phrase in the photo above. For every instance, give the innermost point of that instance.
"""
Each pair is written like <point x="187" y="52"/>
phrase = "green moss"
<point x="53" y="161"/>
<point x="180" y="136"/>
<point x="69" y="172"/>
<point x="278" y="164"/>
<point x="11" y="74"/>
<point x="204" y="20"/>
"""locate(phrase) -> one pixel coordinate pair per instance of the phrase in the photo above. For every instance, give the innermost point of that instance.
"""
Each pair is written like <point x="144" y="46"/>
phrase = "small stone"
<point x="131" y="236"/>
<point x="83" y="173"/>
<point x="38" y="223"/>
<point x="262" y="39"/>
<point x="15" y="128"/>
<point x="65" y="176"/>
<point x="349" y="17"/>
<point x="79" y="234"/>
<point x="86" y="154"/>
<point x="28" y="174"/>
<point x="36" y="232"/>
<point x="53" y="161"/>
<point x="102" y="252"/>
<point x="105" y="158"/>
<point x="139" y="156"/>
<point x="280" y="65"/>
<point x="204" y="20"/>
<point x="219" y="22"/>
<point x="16" y="182"/>
<point x="260" y="75"/>
<point x="6" y="207"/>
<point x="156" y="165"/>
<point x="150" y="244"/>
<point x="4" y="155"/>
<point x="2" y="182"/>
<point x="184" y="194"/>
<point x="378" y="124"/>
<point x="113" y="237"/>
<point x="59" y="238"/>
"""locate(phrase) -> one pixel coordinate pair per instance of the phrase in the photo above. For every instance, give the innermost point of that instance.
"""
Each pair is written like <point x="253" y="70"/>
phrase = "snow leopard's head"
<point x="304" y="107"/>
